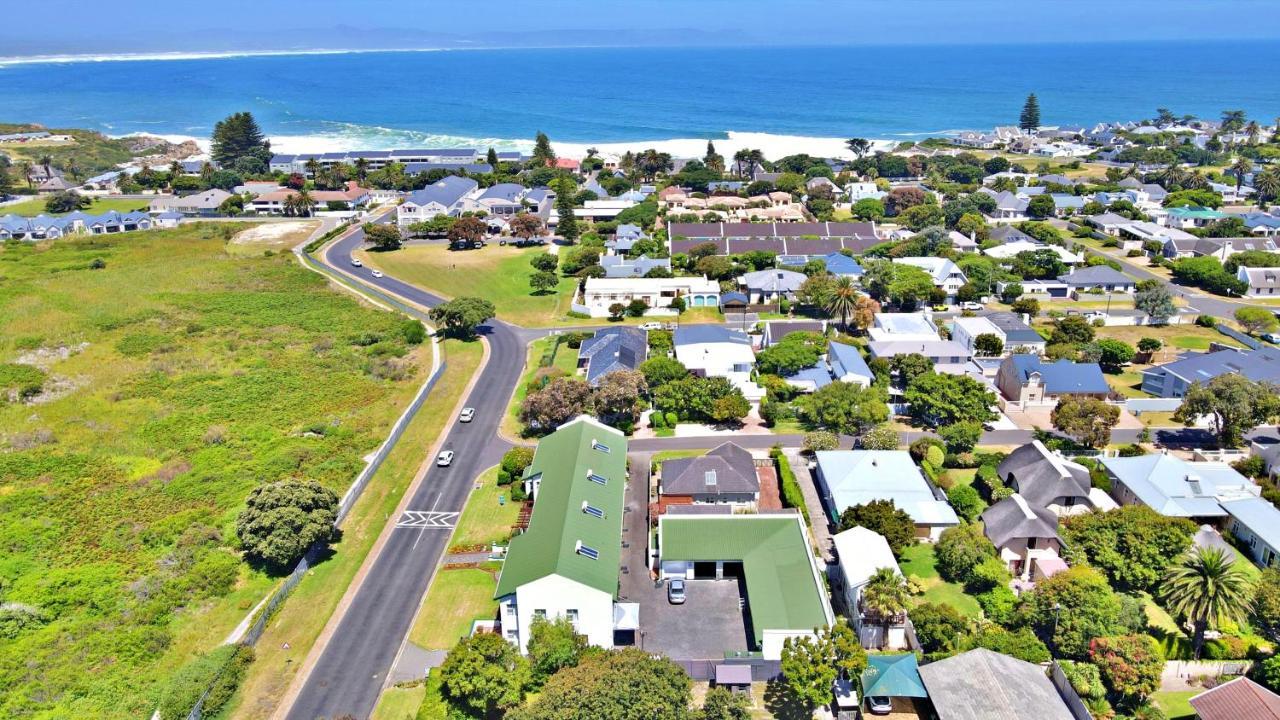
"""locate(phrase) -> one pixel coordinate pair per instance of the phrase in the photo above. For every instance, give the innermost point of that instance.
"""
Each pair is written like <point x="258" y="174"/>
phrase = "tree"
<point x="1037" y="264"/>
<point x="526" y="226"/>
<point x="468" y="230"/>
<point x="1029" y="118"/>
<point x="1012" y="292"/>
<point x="881" y="516"/>
<point x="1235" y="403"/>
<point x="514" y="462"/>
<point x="961" y="437"/>
<point x="858" y="146"/>
<point x="730" y="408"/>
<point x="809" y="670"/>
<point x="1114" y="354"/>
<point x="637" y="308"/>
<point x="988" y="345"/>
<point x="238" y="136"/>
<point x="553" y="646"/>
<point x="1155" y="299"/>
<point x="1207" y="588"/>
<point x="864" y="312"/>
<point x="1021" y="644"/>
<point x="1087" y="419"/>
<point x="1265" y="609"/>
<point x="1072" y="330"/>
<point x="1041" y="206"/>
<point x="1132" y="544"/>
<point x="1130" y="665"/>
<point x="544" y="261"/>
<point x="909" y="285"/>
<point x="793" y="353"/>
<point x="620" y="684"/>
<point x="845" y="407"/>
<point x="880" y="437"/>
<point x="1026" y="305"/>
<point x="868" y="209"/>
<point x="1072" y="608"/>
<point x="659" y="371"/>
<point x="543" y="282"/>
<point x="938" y="626"/>
<point x="960" y="550"/>
<point x="941" y="399"/>
<point x="563" y="399"/>
<point x="820" y="440"/>
<point x="909" y="366"/>
<point x="617" y="396"/>
<point x="842" y="299"/>
<point x="886" y="596"/>
<point x="382" y="237"/>
<point x="461" y="316"/>
<point x="900" y="199"/>
<point x="1149" y="344"/>
<point x="66" y="201"/>
<point x="484" y="675"/>
<point x="281" y="520"/>
<point x="966" y="501"/>
<point x="723" y="704"/>
<point x="543" y="155"/>
<point x="922" y="216"/>
<point x="1256" y="320"/>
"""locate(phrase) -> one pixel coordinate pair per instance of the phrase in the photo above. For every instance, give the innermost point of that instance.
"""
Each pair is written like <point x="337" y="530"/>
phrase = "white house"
<point x="1262" y="281"/>
<point x="856" y="477"/>
<point x="1012" y="331"/>
<point x="946" y="275"/>
<point x="903" y="327"/>
<point x="1010" y="250"/>
<point x="566" y="564"/>
<point x="718" y="351"/>
<point x="860" y="553"/>
<point x="600" y="293"/>
<point x="444" y="197"/>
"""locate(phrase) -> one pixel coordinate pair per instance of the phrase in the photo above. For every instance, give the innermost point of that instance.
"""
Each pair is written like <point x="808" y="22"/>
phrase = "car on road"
<point x="355" y="262"/>
<point x="971" y="305"/>
<point x="879" y="704"/>
<point x="651" y="326"/>
<point x="444" y="459"/>
<point x="1273" y="338"/>
<point x="377" y="273"/>
<point x="467" y="414"/>
<point x="675" y="591"/>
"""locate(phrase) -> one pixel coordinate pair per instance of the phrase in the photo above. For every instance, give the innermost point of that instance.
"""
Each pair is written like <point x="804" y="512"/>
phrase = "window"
<point x="710" y="478"/>
<point x="540" y="614"/>
<point x="572" y="614"/>
<point x="597" y="479"/>
<point x="587" y="551"/>
<point x="592" y="510"/>
<point x="597" y="445"/>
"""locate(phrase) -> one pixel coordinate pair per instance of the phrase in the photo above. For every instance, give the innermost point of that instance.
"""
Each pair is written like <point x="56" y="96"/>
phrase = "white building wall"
<point x="556" y="595"/>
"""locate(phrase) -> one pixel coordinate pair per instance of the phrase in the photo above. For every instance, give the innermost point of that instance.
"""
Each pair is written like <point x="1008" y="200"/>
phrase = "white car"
<point x="444" y="459"/>
<point x="355" y="262"/>
<point x="651" y="326"/>
<point x="880" y="705"/>
<point x="377" y="273"/>
<point x="970" y="305"/>
<point x="675" y="591"/>
<point x="1272" y="338"/>
<point x="467" y="414"/>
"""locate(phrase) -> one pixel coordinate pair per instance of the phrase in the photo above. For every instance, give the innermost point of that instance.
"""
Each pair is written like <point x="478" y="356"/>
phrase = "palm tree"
<point x="1241" y="167"/>
<point x="73" y="169"/>
<point x="290" y="204"/>
<point x="843" y="299"/>
<point x="886" y="595"/>
<point x="304" y="202"/>
<point x="1232" y="120"/>
<point x="46" y="161"/>
<point x="1172" y="176"/>
<point x="1253" y="130"/>
<point x="25" y="168"/>
<point x="206" y="171"/>
<point x="1205" y="587"/>
<point x="740" y="159"/>
<point x="312" y="167"/>
<point x="362" y="169"/>
<point x="1267" y="183"/>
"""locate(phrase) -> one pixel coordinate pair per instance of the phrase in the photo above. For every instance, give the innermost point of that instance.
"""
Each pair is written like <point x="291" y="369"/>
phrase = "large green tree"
<point x="625" y="684"/>
<point x="1086" y="419"/>
<point x="281" y="520"/>
<point x="845" y="407"/>
<point x="461" y="316"/>
<point x="483" y="676"/>
<point x="1156" y="300"/>
<point x="1029" y="118"/>
<point x="941" y="399"/>
<point x="1207" y="588"/>
<point x="881" y="516"/>
<point x="1130" y="666"/>
<point x="1070" y="609"/>
<point x="1132" y="544"/>
<point x="553" y="646"/>
<point x="238" y="136"/>
<point x="1235" y="404"/>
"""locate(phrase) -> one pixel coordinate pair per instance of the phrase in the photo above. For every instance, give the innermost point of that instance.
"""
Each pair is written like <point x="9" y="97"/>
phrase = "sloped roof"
<point x="1062" y="376"/>
<point x="1172" y="486"/>
<point x="782" y="589"/>
<point x="774" y="280"/>
<point x="894" y="676"/>
<point x="1240" y="699"/>
<point x="861" y="552"/>
<point x="563" y="463"/>
<point x="1097" y="275"/>
<point x="726" y="469"/>
<point x="856" y="477"/>
<point x="985" y="685"/>
<point x="1041" y="476"/>
<point x="611" y="349"/>
<point x="1261" y="364"/>
<point x="445" y="191"/>
<point x="1013" y="519"/>
<point x="847" y="360"/>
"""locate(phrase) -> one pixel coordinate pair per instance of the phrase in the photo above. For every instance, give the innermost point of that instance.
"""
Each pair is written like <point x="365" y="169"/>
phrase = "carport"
<point x="893" y="676"/>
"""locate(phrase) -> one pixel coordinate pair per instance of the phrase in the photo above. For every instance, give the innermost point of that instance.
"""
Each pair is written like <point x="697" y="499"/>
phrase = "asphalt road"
<point x="351" y="671"/>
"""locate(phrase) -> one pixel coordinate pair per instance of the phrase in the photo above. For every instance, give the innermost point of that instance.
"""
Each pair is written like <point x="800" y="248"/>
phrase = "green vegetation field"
<point x="35" y="206"/>
<point x="918" y="562"/>
<point x="566" y="359"/>
<point x="171" y="379"/>
<point x="488" y="515"/>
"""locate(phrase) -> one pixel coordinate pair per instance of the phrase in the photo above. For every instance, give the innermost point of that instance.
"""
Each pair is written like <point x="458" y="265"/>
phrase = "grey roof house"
<point x="1025" y="537"/>
<point x="1177" y="488"/>
<point x="1171" y="380"/>
<point x="620" y="266"/>
<point x="1047" y="480"/>
<point x="1099" y="277"/>
<point x="612" y="349"/>
<point x="764" y="286"/>
<point x="725" y="475"/>
<point x="983" y="684"/>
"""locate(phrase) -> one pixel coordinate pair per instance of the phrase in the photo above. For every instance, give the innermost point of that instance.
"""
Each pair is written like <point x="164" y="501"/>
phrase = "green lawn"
<point x="918" y="561"/>
<point x="962" y="476"/>
<point x="399" y="703"/>
<point x="35" y="206"/>
<point x="1183" y="337"/>
<point x="498" y="274"/>
<point x="189" y="378"/>
<point x="489" y="513"/>
<point x="1176" y="704"/>
<point x="456" y="598"/>
<point x="566" y="359"/>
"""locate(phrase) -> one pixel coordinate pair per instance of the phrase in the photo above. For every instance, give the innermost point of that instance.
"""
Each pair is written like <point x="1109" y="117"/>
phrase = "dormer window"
<point x="586" y="550"/>
<point x="597" y="445"/>
<point x="592" y="510"/>
<point x="597" y="479"/>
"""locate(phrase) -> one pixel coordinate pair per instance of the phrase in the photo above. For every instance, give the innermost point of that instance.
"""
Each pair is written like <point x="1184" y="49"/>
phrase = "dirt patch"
<point x="44" y="357"/>
<point x="272" y="236"/>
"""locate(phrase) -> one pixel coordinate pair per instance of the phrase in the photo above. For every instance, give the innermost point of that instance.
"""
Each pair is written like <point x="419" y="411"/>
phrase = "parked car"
<point x="970" y="305"/>
<point x="444" y="459"/>
<point x="651" y="326"/>
<point x="377" y="273"/>
<point x="467" y="415"/>
<point x="675" y="591"/>
<point x="1272" y="338"/>
<point x="355" y="262"/>
<point x="879" y="704"/>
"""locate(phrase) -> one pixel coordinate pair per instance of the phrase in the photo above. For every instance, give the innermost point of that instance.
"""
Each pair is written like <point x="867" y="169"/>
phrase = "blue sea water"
<point x="603" y="95"/>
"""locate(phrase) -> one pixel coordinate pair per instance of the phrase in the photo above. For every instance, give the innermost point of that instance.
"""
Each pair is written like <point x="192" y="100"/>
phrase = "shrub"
<point x="966" y="501"/>
<point x="282" y="520"/>
<point x="1227" y="647"/>
<point x="206" y="672"/>
<point x="997" y="603"/>
<point x="934" y="456"/>
<point x="820" y="440"/>
<point x="792" y="495"/>
<point x="961" y="437"/>
<point x="920" y="447"/>
<point x="514" y="463"/>
<point x="959" y="550"/>
<point x="672" y="419"/>
<point x="1207" y="321"/>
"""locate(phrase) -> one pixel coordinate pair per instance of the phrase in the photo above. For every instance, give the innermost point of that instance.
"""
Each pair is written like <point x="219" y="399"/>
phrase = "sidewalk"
<point x="813" y="503"/>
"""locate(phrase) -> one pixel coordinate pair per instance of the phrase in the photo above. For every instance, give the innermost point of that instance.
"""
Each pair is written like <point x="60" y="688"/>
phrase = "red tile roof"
<point x="1240" y="699"/>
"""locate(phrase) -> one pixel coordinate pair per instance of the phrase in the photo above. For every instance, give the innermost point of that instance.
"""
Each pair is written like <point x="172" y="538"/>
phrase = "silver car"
<point x="444" y="459"/>
<point x="675" y="591"/>
<point x="879" y="704"/>
<point x="467" y="415"/>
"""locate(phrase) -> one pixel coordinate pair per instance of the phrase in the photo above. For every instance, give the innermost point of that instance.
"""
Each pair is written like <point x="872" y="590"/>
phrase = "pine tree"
<point x="492" y="158"/>
<point x="567" y="222"/>
<point x="1029" y="120"/>
<point x="542" y="152"/>
<point x="238" y="136"/>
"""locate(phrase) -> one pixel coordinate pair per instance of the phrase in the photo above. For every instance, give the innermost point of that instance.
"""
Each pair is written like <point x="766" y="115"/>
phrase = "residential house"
<point x="843" y="363"/>
<point x="768" y="553"/>
<point x="1098" y="278"/>
<point x="860" y="553"/>
<point x="1025" y="537"/>
<point x="856" y="191"/>
<point x="723" y="476"/>
<point x="1013" y="248"/>
<point x="624" y="238"/>
<point x="1255" y="523"/>
<point x="946" y="275"/>
<point x="820" y="183"/>
<point x="1171" y="380"/>
<point x="1026" y="381"/>
<point x="201" y="204"/>
<point x="566" y="564"/>
<point x="947" y="356"/>
<point x="612" y="349"/>
<point x="1008" y="233"/>
<point x="771" y="286"/>
<point x="783" y="238"/>
<point x="47" y="227"/>
<point x="166" y="219"/>
<point x="1177" y="488"/>
<point x="855" y="477"/>
<point x="1044" y="289"/>
<point x="1143" y="232"/>
<point x="776" y="330"/>
<point x="962" y="242"/>
<point x="1048" y="481"/>
<point x="351" y="198"/>
<point x="621" y="266"/>
<point x="443" y="197"/>
<point x="1009" y="207"/>
<point x="718" y="351"/>
<point x="842" y="265"/>
<point x="1064" y="205"/>
<point x="600" y="293"/>
<point x="1262" y="282"/>
<point x="1014" y="333"/>
<point x="1260" y="223"/>
<point x="983" y="684"/>
<point x="1109" y="223"/>
<point x="903" y="327"/>
<point x="1239" y="699"/>
<point x="1191" y="216"/>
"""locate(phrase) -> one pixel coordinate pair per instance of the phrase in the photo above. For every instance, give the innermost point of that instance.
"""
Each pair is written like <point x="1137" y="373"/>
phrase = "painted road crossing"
<point x="427" y="519"/>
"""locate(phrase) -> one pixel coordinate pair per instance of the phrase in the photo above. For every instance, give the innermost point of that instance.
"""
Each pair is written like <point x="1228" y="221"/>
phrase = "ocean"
<point x="781" y="100"/>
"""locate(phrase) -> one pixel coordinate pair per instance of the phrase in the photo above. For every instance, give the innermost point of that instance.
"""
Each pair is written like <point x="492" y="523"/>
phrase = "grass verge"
<point x="566" y="360"/>
<point x="489" y="514"/>
<point x="458" y="596"/>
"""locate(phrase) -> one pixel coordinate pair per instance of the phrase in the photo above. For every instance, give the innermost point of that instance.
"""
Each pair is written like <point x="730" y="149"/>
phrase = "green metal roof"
<point x="893" y="676"/>
<point x="565" y="459"/>
<point x="782" y="591"/>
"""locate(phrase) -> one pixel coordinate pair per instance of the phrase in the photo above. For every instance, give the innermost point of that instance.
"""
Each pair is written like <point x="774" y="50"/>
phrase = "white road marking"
<point x="429" y="519"/>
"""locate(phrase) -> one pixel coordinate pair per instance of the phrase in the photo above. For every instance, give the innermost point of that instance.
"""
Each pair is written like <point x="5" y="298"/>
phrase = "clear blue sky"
<point x="101" y="26"/>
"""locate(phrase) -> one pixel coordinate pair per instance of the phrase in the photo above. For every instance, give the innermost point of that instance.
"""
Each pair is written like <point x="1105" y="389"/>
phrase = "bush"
<point x="672" y="419"/>
<point x="920" y="447"/>
<point x="820" y="440"/>
<point x="514" y="463"/>
<point x="961" y="549"/>
<point x="282" y="520"/>
<point x="1207" y="321"/>
<point x="219" y="672"/>
<point x="961" y="437"/>
<point x="1227" y="647"/>
<point x="966" y="501"/>
<point x="792" y="495"/>
<point x="997" y="603"/>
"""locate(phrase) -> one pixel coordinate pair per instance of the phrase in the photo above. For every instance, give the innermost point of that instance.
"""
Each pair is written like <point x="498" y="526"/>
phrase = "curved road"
<point x="353" y="666"/>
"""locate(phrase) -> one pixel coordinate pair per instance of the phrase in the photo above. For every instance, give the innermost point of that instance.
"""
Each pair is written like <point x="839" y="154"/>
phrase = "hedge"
<point x="792" y="495"/>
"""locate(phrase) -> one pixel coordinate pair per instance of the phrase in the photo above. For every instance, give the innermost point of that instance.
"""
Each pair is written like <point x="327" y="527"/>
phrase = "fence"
<point x="761" y="670"/>
<point x="1234" y="334"/>
<point x="259" y="625"/>
<point x="1068" y="693"/>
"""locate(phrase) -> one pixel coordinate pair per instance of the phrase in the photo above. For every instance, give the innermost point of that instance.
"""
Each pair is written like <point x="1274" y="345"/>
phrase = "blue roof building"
<point x="1175" y="487"/>
<point x="612" y="349"/>
<point x="1171" y="380"/>
<point x="1029" y="381"/>
<point x="843" y="265"/>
